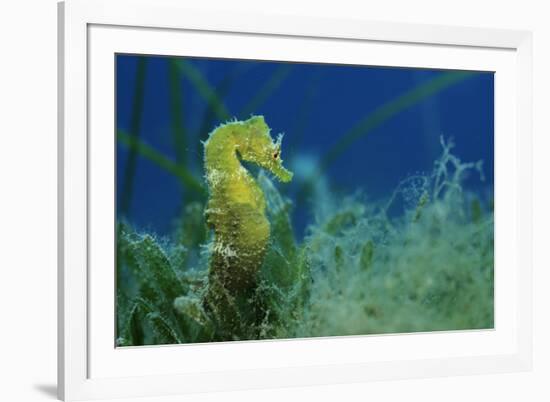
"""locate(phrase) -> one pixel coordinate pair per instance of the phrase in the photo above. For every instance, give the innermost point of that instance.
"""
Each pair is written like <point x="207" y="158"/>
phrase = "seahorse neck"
<point x="222" y="162"/>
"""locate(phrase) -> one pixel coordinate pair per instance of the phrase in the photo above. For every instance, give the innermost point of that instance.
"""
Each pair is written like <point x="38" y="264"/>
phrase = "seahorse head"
<point x="259" y="148"/>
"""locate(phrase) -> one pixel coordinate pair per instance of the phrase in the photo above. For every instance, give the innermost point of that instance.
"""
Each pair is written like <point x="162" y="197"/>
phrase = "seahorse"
<point x="236" y="209"/>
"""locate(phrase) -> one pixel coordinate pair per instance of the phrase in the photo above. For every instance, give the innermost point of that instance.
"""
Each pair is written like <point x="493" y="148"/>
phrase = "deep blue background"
<point x="332" y="99"/>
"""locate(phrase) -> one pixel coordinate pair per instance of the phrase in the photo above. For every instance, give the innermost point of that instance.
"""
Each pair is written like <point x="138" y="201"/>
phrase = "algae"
<point x="421" y="260"/>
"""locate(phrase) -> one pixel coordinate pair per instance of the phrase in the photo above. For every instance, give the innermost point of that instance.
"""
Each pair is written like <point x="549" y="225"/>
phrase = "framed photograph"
<point x="251" y="201"/>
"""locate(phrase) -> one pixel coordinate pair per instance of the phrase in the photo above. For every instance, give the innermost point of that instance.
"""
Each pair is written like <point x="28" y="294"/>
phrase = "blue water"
<point x="314" y="106"/>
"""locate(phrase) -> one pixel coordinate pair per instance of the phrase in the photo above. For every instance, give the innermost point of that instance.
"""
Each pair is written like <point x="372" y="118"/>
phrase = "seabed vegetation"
<point x="233" y="268"/>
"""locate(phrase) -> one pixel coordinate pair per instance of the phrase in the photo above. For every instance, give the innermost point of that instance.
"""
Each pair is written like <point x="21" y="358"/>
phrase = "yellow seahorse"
<point x="236" y="205"/>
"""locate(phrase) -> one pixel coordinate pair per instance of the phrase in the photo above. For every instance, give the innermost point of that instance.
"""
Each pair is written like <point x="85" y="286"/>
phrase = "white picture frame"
<point x="89" y="365"/>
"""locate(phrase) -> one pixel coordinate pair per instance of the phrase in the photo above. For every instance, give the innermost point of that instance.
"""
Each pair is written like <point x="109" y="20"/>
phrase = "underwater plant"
<point x="420" y="261"/>
<point x="236" y="211"/>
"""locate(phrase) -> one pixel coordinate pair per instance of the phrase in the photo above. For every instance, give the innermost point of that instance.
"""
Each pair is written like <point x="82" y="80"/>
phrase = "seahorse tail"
<point x="238" y="253"/>
<point x="239" y="250"/>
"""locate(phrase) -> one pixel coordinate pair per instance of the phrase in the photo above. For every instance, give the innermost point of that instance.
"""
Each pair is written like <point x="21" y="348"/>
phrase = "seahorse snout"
<point x="282" y="173"/>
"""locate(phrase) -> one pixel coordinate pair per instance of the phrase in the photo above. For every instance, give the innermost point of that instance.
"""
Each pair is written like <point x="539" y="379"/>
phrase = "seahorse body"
<point x="236" y="206"/>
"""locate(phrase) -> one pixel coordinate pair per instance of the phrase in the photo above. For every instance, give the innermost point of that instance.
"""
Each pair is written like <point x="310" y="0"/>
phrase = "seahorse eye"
<point x="276" y="155"/>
